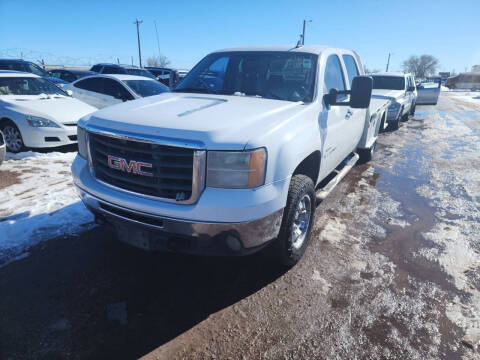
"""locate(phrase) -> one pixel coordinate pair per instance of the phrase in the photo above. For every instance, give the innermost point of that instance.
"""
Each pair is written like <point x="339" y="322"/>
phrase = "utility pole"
<point x="158" y="42"/>
<point x="388" y="62"/>
<point x="138" y="22"/>
<point x="303" y="32"/>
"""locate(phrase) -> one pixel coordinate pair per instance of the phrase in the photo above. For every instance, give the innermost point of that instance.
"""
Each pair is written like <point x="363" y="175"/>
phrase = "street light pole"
<point x="138" y="22"/>
<point x="388" y="62"/>
<point x="303" y="32"/>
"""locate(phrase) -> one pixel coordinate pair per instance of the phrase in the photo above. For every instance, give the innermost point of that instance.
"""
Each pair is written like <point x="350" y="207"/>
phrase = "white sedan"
<point x="105" y="90"/>
<point x="35" y="113"/>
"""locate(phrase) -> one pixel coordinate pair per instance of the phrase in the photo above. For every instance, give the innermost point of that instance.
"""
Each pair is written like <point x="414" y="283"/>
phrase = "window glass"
<point x="113" y="70"/>
<point x="286" y="76"/>
<point x="91" y="84"/>
<point x="15" y="66"/>
<point x="140" y="72"/>
<point x="388" y="82"/>
<point x="115" y="89"/>
<point x="28" y="86"/>
<point x="334" y="78"/>
<point x="96" y="68"/>
<point x="34" y="69"/>
<point x="69" y="77"/>
<point x="145" y="88"/>
<point x="351" y="65"/>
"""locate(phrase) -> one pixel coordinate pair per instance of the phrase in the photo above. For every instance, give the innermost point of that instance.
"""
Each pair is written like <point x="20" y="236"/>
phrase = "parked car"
<point x="428" y="91"/>
<point x="27" y="66"/>
<point x="121" y="69"/>
<point x="105" y="90"/>
<point x="3" y="148"/>
<point x="70" y="75"/>
<point x="36" y="113"/>
<point x="400" y="89"/>
<point x="230" y="168"/>
<point x="168" y="76"/>
<point x="465" y="81"/>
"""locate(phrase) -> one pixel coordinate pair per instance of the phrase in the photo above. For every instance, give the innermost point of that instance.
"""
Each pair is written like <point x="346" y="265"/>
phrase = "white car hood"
<point x="213" y="121"/>
<point x="61" y="109"/>
<point x="388" y="94"/>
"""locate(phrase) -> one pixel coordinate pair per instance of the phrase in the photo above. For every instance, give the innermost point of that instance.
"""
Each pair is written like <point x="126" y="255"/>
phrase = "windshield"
<point x="267" y="74"/>
<point x="430" y="83"/>
<point x="146" y="88"/>
<point x="389" y="82"/>
<point x="140" y="72"/>
<point x="28" y="86"/>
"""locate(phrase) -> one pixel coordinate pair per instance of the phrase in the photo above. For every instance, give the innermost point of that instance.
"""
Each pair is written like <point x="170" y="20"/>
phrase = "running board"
<point x="350" y="162"/>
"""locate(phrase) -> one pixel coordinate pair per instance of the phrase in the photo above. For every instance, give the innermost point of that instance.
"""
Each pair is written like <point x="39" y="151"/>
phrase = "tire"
<point x="412" y="110"/>
<point x="13" y="137"/>
<point x="395" y="125"/>
<point x="290" y="249"/>
<point x="366" y="154"/>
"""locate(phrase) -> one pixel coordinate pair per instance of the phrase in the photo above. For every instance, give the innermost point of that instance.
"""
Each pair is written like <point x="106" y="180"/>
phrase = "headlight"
<point x="82" y="142"/>
<point x="236" y="169"/>
<point x="36" y="121"/>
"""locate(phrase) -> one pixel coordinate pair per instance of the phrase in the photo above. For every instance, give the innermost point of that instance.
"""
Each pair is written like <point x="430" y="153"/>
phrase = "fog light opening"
<point x="233" y="243"/>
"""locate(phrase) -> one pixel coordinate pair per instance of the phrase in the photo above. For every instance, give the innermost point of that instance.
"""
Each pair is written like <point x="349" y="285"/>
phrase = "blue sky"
<point x="93" y="31"/>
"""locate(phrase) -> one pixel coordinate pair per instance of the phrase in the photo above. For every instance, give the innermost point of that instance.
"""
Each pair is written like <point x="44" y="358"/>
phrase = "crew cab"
<point x="400" y="89"/>
<point x="235" y="157"/>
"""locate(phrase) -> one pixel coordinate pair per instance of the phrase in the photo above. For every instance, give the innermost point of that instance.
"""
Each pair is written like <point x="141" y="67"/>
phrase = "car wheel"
<point x="13" y="137"/>
<point x="366" y="154"/>
<point x="297" y="221"/>
<point x="412" y="110"/>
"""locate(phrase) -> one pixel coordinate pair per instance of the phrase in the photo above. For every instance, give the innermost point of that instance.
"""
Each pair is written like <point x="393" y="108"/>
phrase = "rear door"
<point x="428" y="91"/>
<point x="90" y="91"/>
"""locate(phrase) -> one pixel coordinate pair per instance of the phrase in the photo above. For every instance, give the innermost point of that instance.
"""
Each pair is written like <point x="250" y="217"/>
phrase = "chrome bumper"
<point x="150" y="232"/>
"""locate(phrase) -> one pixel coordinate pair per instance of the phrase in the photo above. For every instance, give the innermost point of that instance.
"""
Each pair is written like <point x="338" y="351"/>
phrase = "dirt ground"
<point x="392" y="272"/>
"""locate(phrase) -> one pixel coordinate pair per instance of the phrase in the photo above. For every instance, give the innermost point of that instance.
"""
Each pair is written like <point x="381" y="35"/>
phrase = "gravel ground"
<point x="392" y="272"/>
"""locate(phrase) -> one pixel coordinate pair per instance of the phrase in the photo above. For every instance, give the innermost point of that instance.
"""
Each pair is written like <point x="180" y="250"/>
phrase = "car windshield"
<point x="140" y="72"/>
<point x="28" y="86"/>
<point x="430" y="83"/>
<point x="267" y="74"/>
<point x="146" y="88"/>
<point x="389" y="82"/>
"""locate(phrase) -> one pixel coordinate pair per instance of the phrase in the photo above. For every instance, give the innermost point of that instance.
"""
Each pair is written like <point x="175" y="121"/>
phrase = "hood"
<point x="387" y="94"/>
<point x="61" y="109"/>
<point x="212" y="121"/>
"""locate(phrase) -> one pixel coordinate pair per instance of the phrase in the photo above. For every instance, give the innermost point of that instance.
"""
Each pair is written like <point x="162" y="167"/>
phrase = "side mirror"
<point x="411" y="88"/>
<point x="361" y="92"/>
<point x="69" y="92"/>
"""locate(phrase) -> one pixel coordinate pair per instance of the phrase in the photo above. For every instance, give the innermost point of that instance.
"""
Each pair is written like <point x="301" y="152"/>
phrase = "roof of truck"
<point x="313" y="49"/>
<point x="390" y="73"/>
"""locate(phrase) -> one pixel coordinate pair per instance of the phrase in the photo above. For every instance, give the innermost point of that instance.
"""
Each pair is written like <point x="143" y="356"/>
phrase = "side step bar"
<point x="349" y="163"/>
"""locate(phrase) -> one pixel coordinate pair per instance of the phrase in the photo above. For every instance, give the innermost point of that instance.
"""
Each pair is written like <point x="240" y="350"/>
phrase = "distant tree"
<point x="158" y="61"/>
<point x="370" y="71"/>
<point x="453" y="73"/>
<point x="422" y="66"/>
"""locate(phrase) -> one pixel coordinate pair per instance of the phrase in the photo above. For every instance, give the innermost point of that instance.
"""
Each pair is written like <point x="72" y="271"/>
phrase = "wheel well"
<point x="4" y="120"/>
<point x="310" y="166"/>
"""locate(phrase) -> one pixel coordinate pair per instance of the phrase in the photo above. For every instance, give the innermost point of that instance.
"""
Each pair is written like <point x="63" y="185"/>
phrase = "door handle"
<point x="349" y="113"/>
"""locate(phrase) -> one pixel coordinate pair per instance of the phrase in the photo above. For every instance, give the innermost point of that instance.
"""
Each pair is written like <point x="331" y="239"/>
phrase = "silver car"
<point x="428" y="91"/>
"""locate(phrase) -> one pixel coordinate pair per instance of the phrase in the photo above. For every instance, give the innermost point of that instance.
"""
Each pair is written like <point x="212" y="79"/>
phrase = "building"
<point x="476" y="69"/>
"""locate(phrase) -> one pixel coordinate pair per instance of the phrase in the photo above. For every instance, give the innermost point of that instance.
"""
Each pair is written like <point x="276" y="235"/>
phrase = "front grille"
<point x="172" y="167"/>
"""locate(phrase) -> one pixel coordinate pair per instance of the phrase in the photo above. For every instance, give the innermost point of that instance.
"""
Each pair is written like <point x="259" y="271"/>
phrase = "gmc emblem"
<point x="133" y="166"/>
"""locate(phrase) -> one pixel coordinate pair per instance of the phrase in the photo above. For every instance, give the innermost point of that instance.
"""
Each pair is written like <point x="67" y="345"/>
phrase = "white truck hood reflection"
<point x="216" y="121"/>
<point x="61" y="109"/>
<point x="387" y="94"/>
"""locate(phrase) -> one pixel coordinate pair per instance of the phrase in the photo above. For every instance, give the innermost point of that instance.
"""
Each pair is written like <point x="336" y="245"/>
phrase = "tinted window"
<point x="351" y="65"/>
<point x="334" y="78"/>
<point x="113" y="70"/>
<point x="286" y="76"/>
<point x="115" y="89"/>
<point x="96" y="68"/>
<point x="55" y="73"/>
<point x="69" y="77"/>
<point x="145" y="88"/>
<point x="389" y="82"/>
<point x="90" y="84"/>
<point x="16" y="66"/>
<point x="27" y="86"/>
<point x="34" y="69"/>
<point x="140" y="72"/>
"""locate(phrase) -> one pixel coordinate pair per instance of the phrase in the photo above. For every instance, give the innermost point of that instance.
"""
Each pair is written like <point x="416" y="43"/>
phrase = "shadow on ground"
<point x="92" y="297"/>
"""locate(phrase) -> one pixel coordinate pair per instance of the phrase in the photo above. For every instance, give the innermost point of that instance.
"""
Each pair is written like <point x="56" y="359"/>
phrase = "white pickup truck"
<point x="235" y="157"/>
